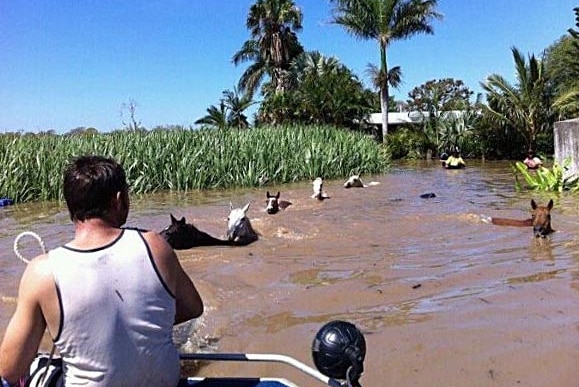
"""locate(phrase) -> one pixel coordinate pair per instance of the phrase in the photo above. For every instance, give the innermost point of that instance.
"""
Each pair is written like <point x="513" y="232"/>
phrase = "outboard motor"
<point x="339" y="349"/>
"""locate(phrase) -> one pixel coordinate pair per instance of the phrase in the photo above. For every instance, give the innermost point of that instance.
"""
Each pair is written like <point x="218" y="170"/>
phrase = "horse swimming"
<point x="540" y="220"/>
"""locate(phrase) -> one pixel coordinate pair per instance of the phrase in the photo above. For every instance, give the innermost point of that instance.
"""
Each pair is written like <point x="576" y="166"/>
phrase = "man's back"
<point x="455" y="161"/>
<point x="116" y="315"/>
<point x="117" y="297"/>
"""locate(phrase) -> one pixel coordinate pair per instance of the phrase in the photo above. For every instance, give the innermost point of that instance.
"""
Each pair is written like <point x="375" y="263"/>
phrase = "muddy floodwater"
<point x="442" y="297"/>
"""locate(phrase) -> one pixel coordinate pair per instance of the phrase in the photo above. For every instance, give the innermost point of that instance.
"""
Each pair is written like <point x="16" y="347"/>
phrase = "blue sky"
<point x="66" y="64"/>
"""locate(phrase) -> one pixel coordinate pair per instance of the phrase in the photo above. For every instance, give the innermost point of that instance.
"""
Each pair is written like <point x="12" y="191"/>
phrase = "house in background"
<point x="396" y="119"/>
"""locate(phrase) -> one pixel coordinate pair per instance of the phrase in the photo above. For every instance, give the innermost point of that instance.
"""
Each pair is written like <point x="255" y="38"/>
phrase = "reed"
<point x="186" y="159"/>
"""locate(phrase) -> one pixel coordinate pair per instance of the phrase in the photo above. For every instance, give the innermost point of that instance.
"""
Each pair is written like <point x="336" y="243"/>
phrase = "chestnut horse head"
<point x="541" y="219"/>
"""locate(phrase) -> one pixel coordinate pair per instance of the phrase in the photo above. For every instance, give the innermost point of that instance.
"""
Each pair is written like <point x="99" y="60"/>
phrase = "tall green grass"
<point x="31" y="165"/>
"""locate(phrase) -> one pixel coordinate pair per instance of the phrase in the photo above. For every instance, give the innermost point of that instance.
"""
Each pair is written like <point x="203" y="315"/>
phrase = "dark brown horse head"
<point x="272" y="203"/>
<point x="182" y="235"/>
<point x="541" y="219"/>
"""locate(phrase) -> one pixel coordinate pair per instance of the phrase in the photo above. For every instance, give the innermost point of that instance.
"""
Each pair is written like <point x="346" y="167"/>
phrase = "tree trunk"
<point x="384" y="107"/>
<point x="384" y="97"/>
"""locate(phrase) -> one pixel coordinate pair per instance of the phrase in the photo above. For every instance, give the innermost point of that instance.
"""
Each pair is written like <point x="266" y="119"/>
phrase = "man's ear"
<point x="119" y="196"/>
<point x="122" y="199"/>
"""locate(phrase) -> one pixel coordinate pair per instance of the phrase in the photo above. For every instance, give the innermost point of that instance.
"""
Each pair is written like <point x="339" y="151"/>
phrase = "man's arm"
<point x="189" y="303"/>
<point x="188" y="300"/>
<point x="26" y="327"/>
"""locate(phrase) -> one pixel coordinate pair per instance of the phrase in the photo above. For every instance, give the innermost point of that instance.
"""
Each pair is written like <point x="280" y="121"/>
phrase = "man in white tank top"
<point x="109" y="297"/>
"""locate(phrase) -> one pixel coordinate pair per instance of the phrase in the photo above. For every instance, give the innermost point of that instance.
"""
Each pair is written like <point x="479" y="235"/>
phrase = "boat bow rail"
<point x="338" y="350"/>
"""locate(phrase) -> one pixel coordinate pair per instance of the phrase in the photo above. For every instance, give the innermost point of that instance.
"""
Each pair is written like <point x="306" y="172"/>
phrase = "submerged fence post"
<point x="566" y="136"/>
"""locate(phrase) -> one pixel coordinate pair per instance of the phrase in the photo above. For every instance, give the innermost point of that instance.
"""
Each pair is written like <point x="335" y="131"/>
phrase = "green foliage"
<point x="273" y="25"/>
<point x="406" y="143"/>
<point x="230" y="112"/>
<point x="545" y="179"/>
<point x="499" y="140"/>
<point x="456" y="129"/>
<point x="322" y="91"/>
<point x="440" y="95"/>
<point x="385" y="22"/>
<point x="216" y="117"/>
<point x="524" y="106"/>
<point x="562" y="64"/>
<point x="184" y="160"/>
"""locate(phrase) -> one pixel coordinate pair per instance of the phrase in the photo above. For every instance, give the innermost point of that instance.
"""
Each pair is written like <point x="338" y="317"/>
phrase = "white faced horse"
<point x="356" y="182"/>
<point x="273" y="204"/>
<point x="239" y="230"/>
<point x="318" y="187"/>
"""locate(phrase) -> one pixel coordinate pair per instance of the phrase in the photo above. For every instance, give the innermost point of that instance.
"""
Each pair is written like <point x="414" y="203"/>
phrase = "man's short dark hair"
<point x="90" y="185"/>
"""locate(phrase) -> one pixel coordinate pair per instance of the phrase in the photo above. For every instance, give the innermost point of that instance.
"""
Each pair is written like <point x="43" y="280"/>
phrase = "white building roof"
<point x="397" y="118"/>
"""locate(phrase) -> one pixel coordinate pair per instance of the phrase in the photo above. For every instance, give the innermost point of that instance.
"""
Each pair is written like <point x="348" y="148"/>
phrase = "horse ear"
<point x="267" y="194"/>
<point x="550" y="205"/>
<point x="533" y="204"/>
<point x="173" y="220"/>
<point x="277" y="196"/>
<point x="230" y="206"/>
<point x="246" y="207"/>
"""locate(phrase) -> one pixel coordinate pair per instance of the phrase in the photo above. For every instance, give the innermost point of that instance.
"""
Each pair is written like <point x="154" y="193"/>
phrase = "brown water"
<point x="443" y="298"/>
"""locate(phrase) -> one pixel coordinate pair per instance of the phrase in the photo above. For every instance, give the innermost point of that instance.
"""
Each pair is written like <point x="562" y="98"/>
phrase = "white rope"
<point x="27" y="261"/>
<point x="23" y="234"/>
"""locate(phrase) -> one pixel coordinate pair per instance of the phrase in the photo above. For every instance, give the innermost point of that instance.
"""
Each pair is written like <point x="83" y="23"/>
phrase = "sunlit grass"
<point x="184" y="160"/>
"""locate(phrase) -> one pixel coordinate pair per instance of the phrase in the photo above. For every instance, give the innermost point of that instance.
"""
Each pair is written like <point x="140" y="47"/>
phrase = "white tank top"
<point x="116" y="316"/>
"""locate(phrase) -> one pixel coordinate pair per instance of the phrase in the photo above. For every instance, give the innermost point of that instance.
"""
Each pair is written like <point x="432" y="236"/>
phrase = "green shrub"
<point x="406" y="143"/>
<point x="545" y="179"/>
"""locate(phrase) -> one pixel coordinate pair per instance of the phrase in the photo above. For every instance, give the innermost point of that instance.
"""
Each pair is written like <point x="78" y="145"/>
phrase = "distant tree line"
<point x="291" y="85"/>
<point x="307" y="87"/>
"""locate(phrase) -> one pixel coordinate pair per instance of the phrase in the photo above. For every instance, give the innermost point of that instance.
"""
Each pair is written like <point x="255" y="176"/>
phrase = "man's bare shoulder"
<point x="38" y="275"/>
<point x="155" y="238"/>
<point x="40" y="265"/>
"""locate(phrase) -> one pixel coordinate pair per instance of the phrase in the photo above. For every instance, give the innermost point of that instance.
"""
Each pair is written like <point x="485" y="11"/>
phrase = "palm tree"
<point x="230" y="111"/>
<point x="273" y="25"/>
<point x="322" y="91"/>
<point x="236" y="103"/>
<point x="385" y="21"/>
<point x="313" y="63"/>
<point x="567" y="101"/>
<point x="525" y="106"/>
<point x="455" y="128"/>
<point x="216" y="116"/>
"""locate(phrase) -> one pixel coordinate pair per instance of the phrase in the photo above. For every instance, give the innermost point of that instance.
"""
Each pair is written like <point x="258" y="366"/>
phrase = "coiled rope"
<point x="27" y="261"/>
<point x="20" y="236"/>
